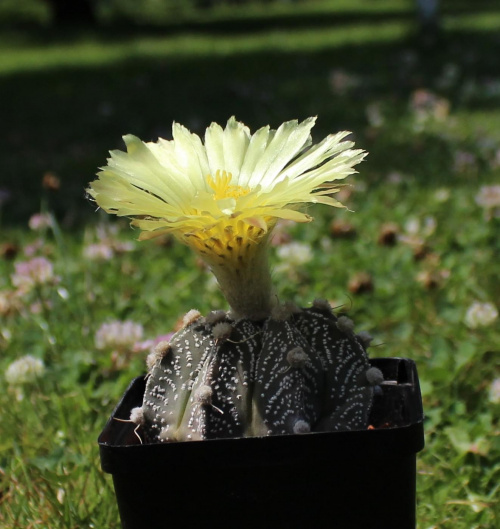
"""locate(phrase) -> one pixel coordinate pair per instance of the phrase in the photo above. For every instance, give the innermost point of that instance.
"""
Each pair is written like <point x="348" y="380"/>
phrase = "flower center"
<point x="222" y="188"/>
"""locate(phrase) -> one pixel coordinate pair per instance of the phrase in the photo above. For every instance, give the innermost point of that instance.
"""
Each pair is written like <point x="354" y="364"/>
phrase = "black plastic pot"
<point x="343" y="480"/>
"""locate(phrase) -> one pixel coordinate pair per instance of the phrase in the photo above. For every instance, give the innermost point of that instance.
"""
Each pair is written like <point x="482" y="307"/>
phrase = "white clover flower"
<point x="375" y="115"/>
<point x="36" y="271"/>
<point x="40" y="221"/>
<point x="426" y="106"/>
<point x="488" y="196"/>
<point x="412" y="226"/>
<point x="341" y="82"/>
<point x="295" y="253"/>
<point x="224" y="196"/>
<point x="464" y="161"/>
<point x="123" y="247"/>
<point x="495" y="391"/>
<point x="480" y="314"/>
<point x="100" y="251"/>
<point x="442" y="194"/>
<point x="25" y="370"/>
<point x="118" y="335"/>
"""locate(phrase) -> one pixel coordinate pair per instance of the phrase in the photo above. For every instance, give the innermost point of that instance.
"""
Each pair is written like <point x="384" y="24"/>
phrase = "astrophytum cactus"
<point x="297" y="371"/>
<point x="260" y="368"/>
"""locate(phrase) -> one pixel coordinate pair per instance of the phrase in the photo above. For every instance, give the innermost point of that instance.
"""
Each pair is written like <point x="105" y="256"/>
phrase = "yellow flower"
<point x="223" y="197"/>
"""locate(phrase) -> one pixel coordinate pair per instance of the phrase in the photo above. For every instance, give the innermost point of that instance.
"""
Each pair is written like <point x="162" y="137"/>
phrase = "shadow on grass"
<point x="121" y="27"/>
<point x="65" y="120"/>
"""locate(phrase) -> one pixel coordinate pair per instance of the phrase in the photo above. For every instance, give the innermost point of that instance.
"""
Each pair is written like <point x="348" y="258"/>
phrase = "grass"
<point x="67" y="99"/>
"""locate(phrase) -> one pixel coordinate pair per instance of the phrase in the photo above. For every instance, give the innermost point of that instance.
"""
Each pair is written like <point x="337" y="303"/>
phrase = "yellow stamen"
<point x="222" y="188"/>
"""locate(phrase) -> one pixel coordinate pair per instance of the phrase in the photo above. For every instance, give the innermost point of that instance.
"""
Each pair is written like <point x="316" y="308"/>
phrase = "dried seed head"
<point x="365" y="338"/>
<point x="360" y="283"/>
<point x="342" y="229"/>
<point x="345" y="324"/>
<point x="374" y="376"/>
<point x="203" y="395"/>
<point x="159" y="352"/>
<point x="301" y="426"/>
<point x="282" y="312"/>
<point x="388" y="235"/>
<point x="291" y="307"/>
<point x="216" y="316"/>
<point x="190" y="317"/>
<point x="222" y="331"/>
<point x="297" y="357"/>
<point x="322" y="304"/>
<point x="137" y="415"/>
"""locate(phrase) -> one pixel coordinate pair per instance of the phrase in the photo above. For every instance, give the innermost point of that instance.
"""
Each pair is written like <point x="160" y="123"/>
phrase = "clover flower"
<point x="494" y="392"/>
<point x="40" y="221"/>
<point x="489" y="199"/>
<point x="294" y="254"/>
<point x="427" y="106"/>
<point x="25" y="370"/>
<point x="35" y="272"/>
<point x="464" y="162"/>
<point x="149" y="345"/>
<point x="224" y="196"/>
<point x="118" y="335"/>
<point x="100" y="251"/>
<point x="480" y="314"/>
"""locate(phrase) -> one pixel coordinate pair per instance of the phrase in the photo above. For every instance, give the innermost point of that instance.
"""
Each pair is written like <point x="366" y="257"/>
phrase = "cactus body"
<point x="288" y="381"/>
<point x="295" y="372"/>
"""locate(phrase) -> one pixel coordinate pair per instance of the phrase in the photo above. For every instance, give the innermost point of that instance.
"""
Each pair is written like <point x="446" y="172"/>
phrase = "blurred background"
<point x="416" y="265"/>
<point x="77" y="75"/>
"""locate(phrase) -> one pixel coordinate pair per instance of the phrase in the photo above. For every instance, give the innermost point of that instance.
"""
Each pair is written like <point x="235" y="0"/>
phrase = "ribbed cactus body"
<point x="298" y="371"/>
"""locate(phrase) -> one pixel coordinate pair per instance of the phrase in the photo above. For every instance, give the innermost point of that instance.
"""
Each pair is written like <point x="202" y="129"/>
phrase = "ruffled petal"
<point x="288" y="141"/>
<point x="186" y="187"/>
<point x="235" y="138"/>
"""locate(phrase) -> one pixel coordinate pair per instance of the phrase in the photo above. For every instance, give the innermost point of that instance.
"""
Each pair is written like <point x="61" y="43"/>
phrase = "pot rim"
<point x="121" y="450"/>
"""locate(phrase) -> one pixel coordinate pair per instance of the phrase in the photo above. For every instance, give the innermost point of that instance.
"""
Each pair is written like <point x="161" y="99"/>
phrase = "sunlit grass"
<point x="91" y="52"/>
<point x="412" y="289"/>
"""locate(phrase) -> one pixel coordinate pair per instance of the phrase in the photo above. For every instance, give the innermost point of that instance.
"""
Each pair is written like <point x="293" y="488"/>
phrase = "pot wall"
<point x="361" y="479"/>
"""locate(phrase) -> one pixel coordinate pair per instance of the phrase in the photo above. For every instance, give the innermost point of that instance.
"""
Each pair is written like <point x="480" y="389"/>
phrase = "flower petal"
<point x="234" y="183"/>
<point x="288" y="141"/>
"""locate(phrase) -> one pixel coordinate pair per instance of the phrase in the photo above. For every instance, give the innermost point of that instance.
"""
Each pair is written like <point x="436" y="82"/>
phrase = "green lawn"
<point x="417" y="252"/>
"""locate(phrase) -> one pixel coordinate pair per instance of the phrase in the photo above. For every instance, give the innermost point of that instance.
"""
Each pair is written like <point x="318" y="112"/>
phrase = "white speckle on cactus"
<point x="345" y="324"/>
<point x="222" y="331"/>
<point x="365" y="337"/>
<point x="137" y="415"/>
<point x="190" y="317"/>
<point x="297" y="357"/>
<point x="164" y="435"/>
<point x="216" y="316"/>
<point x="301" y="427"/>
<point x="374" y="376"/>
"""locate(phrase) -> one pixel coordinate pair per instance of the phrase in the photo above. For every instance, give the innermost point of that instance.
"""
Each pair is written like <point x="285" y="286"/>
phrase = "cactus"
<point x="297" y="371"/>
<point x="262" y="368"/>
